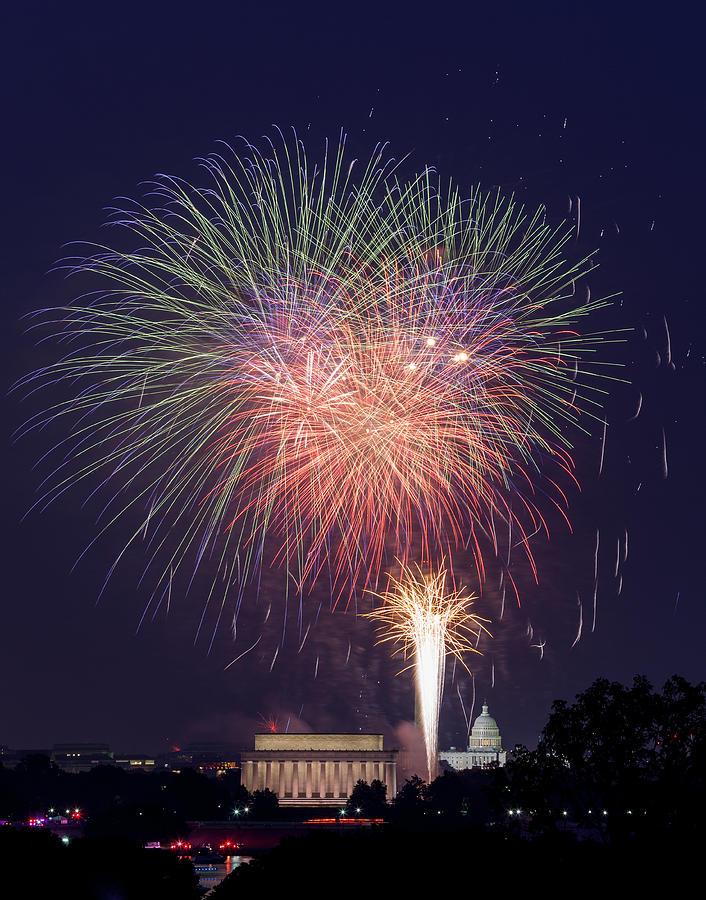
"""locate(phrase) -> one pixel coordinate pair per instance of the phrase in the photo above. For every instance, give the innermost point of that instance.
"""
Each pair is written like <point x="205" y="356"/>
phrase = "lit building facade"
<point x="484" y="746"/>
<point x="209" y="758"/>
<point x="76" y="758"/>
<point x="317" y="769"/>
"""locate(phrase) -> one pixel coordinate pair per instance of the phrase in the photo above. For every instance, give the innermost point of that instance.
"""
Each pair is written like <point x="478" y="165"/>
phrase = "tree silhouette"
<point x="368" y="800"/>
<point x="620" y="760"/>
<point x="411" y="799"/>
<point x="265" y="804"/>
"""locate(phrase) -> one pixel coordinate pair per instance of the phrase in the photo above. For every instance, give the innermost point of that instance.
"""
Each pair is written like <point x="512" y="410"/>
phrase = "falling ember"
<point x="637" y="411"/>
<point x="580" y="628"/>
<point x="463" y="707"/>
<point x="600" y="466"/>
<point x="428" y="624"/>
<point x="669" y="340"/>
<point x="241" y="655"/>
<point x="306" y="635"/>
<point x="540" y="646"/>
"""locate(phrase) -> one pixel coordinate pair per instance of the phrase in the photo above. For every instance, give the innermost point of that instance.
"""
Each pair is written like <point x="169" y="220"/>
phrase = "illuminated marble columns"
<point x="317" y="770"/>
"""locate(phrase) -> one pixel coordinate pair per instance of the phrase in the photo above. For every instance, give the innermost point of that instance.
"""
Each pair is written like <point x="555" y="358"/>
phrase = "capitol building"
<point x="484" y="746"/>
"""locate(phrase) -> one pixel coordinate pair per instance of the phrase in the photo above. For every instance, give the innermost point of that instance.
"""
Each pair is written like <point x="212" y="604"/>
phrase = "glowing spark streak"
<point x="625" y="547"/>
<point x="637" y="411"/>
<point x="669" y="341"/>
<point x="316" y="668"/>
<point x="580" y="629"/>
<point x="540" y="646"/>
<point x="142" y="392"/>
<point x="251" y="647"/>
<point x="600" y="467"/>
<point x="147" y="521"/>
<point x="665" y="468"/>
<point x="492" y="675"/>
<point x="306" y="635"/>
<point x="348" y="655"/>
<point x="617" y="559"/>
<point x="473" y="706"/>
<point x="595" y="580"/>
<point x="463" y="708"/>
<point x="274" y="658"/>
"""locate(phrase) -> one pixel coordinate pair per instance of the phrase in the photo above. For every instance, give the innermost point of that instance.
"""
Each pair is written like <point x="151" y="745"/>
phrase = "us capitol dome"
<point x="484" y="746"/>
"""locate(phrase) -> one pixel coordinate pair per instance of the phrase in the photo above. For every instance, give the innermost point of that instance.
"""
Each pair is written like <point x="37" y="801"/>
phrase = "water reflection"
<point x="211" y="874"/>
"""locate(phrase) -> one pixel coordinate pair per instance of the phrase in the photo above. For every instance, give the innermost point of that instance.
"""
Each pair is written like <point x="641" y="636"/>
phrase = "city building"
<point x="11" y="758"/>
<point x="208" y="758"/>
<point x="317" y="769"/>
<point x="484" y="746"/>
<point x="81" y="757"/>
<point x="133" y="762"/>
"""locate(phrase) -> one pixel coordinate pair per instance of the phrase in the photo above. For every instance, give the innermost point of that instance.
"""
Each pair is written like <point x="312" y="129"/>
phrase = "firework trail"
<point x="270" y="722"/>
<point x="300" y="365"/>
<point x="427" y="624"/>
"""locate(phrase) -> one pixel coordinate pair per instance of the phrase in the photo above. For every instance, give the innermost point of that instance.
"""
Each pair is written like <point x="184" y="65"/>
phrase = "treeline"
<point x="113" y="803"/>
<point x="619" y="761"/>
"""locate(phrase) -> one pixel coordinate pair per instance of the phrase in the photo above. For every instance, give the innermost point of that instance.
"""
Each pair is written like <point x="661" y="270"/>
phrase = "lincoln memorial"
<point x="317" y="769"/>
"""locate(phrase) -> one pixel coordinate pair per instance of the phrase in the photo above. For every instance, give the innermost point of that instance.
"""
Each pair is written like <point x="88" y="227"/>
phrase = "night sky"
<point x="548" y="101"/>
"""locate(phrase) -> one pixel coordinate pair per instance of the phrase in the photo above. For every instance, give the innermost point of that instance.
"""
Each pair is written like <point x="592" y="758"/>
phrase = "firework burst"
<point x="298" y="365"/>
<point x="426" y="624"/>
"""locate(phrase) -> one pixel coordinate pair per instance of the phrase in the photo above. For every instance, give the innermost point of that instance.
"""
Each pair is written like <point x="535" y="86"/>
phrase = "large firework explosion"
<point x="314" y="367"/>
<point x="427" y="623"/>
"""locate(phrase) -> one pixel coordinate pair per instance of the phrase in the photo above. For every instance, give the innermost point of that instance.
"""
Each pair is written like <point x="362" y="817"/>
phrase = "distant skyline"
<point x="598" y="110"/>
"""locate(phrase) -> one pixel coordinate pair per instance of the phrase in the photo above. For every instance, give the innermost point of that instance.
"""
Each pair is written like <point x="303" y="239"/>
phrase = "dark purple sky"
<point x="542" y="99"/>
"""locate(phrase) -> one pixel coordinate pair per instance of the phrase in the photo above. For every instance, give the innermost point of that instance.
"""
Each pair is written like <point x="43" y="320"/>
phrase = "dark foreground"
<point x="35" y="863"/>
<point x="391" y="861"/>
